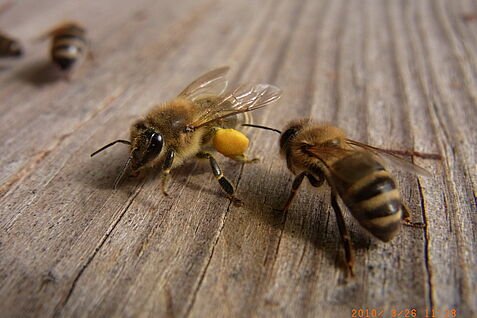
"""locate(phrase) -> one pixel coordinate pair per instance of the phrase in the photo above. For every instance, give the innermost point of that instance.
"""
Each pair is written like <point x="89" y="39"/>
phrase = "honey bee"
<point x="202" y="117"/>
<point x="9" y="47"/>
<point x="68" y="45"/>
<point x="355" y="173"/>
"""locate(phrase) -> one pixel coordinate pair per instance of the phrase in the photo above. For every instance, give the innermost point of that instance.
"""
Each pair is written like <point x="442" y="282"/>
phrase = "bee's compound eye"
<point x="154" y="148"/>
<point x="287" y="135"/>
<point x="157" y="141"/>
<point x="230" y="142"/>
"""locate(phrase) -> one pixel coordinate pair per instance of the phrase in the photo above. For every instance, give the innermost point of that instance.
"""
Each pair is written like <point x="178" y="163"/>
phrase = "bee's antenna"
<point x="127" y="142"/>
<point x="262" y="127"/>
<point x="121" y="175"/>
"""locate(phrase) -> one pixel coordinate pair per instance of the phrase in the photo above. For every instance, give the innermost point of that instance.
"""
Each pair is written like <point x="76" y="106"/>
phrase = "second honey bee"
<point x="202" y="117"/>
<point x="355" y="173"/>
<point x="68" y="45"/>
<point x="9" y="47"/>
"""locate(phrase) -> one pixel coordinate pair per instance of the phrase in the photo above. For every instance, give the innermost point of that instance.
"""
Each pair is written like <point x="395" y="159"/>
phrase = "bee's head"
<point x="146" y="145"/>
<point x="15" y="49"/>
<point x="289" y="133"/>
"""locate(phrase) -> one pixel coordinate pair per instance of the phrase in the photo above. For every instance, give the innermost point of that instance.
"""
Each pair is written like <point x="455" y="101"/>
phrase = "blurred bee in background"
<point x="200" y="118"/>
<point x="9" y="47"/>
<point x="68" y="45"/>
<point x="354" y="172"/>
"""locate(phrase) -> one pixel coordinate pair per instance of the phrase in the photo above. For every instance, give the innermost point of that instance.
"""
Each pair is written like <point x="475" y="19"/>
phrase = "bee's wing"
<point x="330" y="153"/>
<point x="391" y="157"/>
<point x="55" y="30"/>
<point x="321" y="152"/>
<point x="242" y="99"/>
<point x="210" y="83"/>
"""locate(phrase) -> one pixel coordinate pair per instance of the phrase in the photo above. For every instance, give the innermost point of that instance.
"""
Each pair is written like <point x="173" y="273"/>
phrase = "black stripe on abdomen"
<point x="370" y="193"/>
<point x="68" y="36"/>
<point x="65" y="62"/>
<point x="382" y="183"/>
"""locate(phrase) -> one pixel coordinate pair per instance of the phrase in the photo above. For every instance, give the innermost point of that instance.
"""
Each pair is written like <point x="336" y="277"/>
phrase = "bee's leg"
<point x="224" y="183"/>
<point x="406" y="218"/>
<point x="345" y="237"/>
<point x="243" y="159"/>
<point x="166" y="170"/>
<point x="296" y="184"/>
<point x="316" y="182"/>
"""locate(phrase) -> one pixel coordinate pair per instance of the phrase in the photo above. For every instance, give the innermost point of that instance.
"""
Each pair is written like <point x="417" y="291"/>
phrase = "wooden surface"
<point x="395" y="74"/>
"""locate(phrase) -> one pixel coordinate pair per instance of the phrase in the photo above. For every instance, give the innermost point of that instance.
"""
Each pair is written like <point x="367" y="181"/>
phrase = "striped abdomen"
<point x="9" y="47"/>
<point x="68" y="46"/>
<point x="370" y="193"/>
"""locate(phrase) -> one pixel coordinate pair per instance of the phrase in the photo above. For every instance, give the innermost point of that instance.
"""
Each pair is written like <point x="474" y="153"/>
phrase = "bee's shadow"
<point x="40" y="73"/>
<point x="5" y="68"/>
<point x="310" y="216"/>
<point x="102" y="171"/>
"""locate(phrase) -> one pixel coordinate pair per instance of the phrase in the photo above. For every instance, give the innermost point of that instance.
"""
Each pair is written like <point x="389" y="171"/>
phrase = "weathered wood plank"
<point x="396" y="74"/>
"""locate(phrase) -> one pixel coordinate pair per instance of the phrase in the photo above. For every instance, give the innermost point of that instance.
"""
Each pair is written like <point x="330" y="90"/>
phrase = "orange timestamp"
<point x="403" y="313"/>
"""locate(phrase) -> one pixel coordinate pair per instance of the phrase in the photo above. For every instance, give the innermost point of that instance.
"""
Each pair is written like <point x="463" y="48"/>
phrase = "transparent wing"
<point x="211" y="83"/>
<point x="392" y="157"/>
<point x="57" y="29"/>
<point x="329" y="152"/>
<point x="242" y="99"/>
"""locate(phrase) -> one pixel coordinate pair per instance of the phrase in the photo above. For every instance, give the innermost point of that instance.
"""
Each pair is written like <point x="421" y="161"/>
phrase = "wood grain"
<point x="395" y="74"/>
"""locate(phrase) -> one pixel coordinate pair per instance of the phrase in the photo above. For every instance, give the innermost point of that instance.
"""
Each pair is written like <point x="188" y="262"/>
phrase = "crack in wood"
<point x="426" y="249"/>
<point x="264" y="25"/>
<point x="336" y="88"/>
<point x="401" y="91"/>
<point x="23" y="171"/>
<point x="59" y="307"/>
<point x="202" y="275"/>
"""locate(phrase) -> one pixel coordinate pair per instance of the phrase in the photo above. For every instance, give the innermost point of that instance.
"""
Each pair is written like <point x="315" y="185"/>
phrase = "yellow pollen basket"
<point x="230" y="142"/>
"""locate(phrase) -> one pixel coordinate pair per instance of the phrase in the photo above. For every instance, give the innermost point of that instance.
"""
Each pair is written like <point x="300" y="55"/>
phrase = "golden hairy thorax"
<point x="170" y="119"/>
<point x="321" y="134"/>
<point x="316" y="135"/>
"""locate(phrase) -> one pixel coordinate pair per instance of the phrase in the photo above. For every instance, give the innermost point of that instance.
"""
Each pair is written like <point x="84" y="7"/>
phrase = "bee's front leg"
<point x="166" y="170"/>
<point x="296" y="184"/>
